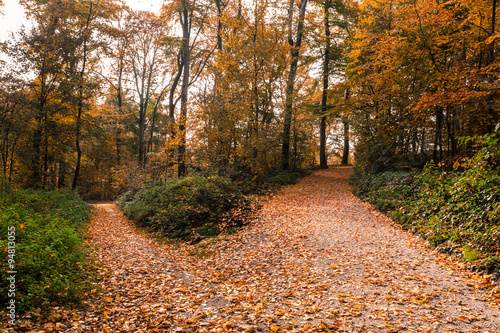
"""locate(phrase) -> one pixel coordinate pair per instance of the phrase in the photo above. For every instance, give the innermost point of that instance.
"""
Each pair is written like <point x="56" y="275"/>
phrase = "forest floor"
<point x="316" y="259"/>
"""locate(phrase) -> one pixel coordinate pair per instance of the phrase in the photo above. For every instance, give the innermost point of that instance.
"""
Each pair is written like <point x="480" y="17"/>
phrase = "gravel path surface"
<point x="315" y="260"/>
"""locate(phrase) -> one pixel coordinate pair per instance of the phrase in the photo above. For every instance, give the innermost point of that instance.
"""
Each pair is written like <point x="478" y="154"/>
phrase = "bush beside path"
<point x="316" y="260"/>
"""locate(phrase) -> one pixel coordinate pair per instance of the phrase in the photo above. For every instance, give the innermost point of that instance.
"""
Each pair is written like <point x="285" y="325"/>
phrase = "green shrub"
<point x="49" y="252"/>
<point x="458" y="212"/>
<point x="181" y="208"/>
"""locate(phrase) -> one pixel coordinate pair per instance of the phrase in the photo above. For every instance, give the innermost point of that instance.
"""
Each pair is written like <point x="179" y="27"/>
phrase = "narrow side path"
<point x="316" y="260"/>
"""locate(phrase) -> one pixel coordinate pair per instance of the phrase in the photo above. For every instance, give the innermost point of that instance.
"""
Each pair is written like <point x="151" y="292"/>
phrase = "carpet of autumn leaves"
<point x="316" y="259"/>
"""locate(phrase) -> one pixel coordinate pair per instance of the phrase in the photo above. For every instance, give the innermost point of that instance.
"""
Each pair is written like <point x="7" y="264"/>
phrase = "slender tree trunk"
<point x="77" y="141"/>
<point x="185" y="21"/>
<point x="45" y="152"/>
<point x="144" y="113"/>
<point x="142" y="129"/>
<point x="345" y="154"/>
<point x="38" y="136"/>
<point x="289" y="92"/>
<point x="220" y="7"/>
<point x="323" y="162"/>
<point x="61" y="174"/>
<point x="155" y="112"/>
<point x="171" y="107"/>
<point x="36" y="154"/>
<point x="438" y="135"/>
<point x="11" y="165"/>
<point x="491" y="56"/>
<point x="80" y="104"/>
<point x="120" y="111"/>
<point x="492" y="31"/>
<point x="345" y="122"/>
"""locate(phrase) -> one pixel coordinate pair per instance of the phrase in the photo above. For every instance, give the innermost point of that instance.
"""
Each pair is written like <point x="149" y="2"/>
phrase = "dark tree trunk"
<point x="492" y="31"/>
<point x="289" y="92"/>
<point x="61" y="174"/>
<point x="345" y="122"/>
<point x="186" y="24"/>
<point x="438" y="136"/>
<point x="80" y="103"/>
<point x="323" y="162"/>
<point x="345" y="154"/>
<point x="220" y="7"/>
<point x="120" y="112"/>
<point x="36" y="155"/>
<point x="77" y="143"/>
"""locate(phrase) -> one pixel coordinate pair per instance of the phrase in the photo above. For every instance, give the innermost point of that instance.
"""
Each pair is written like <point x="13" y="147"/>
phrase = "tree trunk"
<point x="45" y="152"/>
<point x="323" y="162"/>
<point x="438" y="135"/>
<point x="492" y="31"/>
<point x="61" y="174"/>
<point x="142" y="129"/>
<point x="289" y="92"/>
<point x="345" y="155"/>
<point x="80" y="104"/>
<point x="120" y="111"/>
<point x="36" y="154"/>
<point x="171" y="107"/>
<point x="181" y="158"/>
<point x="345" y="122"/>
<point x="220" y="7"/>
<point x="77" y="141"/>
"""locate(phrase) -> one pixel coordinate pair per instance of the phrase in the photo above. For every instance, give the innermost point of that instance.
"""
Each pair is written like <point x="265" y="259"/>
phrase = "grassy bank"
<point x="458" y="212"/>
<point x="41" y="233"/>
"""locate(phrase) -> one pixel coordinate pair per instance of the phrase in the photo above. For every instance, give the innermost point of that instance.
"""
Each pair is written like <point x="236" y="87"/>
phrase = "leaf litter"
<point x="316" y="259"/>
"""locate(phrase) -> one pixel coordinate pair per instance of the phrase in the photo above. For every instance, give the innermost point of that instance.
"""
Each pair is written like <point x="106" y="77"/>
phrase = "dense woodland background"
<point x="105" y="101"/>
<point x="94" y="93"/>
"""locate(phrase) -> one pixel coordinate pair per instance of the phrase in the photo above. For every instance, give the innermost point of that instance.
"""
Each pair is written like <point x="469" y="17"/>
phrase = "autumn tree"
<point x="119" y="41"/>
<point x="14" y="122"/>
<point x="42" y="52"/>
<point x="422" y="72"/>
<point x="193" y="55"/>
<point x="148" y="65"/>
<point x="59" y="52"/>
<point x="89" y="16"/>
<point x="295" y="45"/>
<point x="240" y="105"/>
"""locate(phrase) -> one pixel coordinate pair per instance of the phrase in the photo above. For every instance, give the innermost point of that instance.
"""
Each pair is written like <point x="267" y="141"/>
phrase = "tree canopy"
<point x="94" y="93"/>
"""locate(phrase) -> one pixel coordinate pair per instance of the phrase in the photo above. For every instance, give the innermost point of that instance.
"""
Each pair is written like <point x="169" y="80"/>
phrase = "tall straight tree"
<point x="290" y="82"/>
<point x="186" y="24"/>
<point x="193" y="53"/>
<point x="82" y="62"/>
<point x="323" y="162"/>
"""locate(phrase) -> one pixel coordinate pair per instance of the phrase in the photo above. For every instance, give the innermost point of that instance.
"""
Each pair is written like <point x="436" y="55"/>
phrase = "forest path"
<point x="316" y="260"/>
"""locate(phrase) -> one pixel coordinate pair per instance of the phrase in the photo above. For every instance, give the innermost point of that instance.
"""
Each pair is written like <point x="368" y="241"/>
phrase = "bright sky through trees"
<point x="14" y="18"/>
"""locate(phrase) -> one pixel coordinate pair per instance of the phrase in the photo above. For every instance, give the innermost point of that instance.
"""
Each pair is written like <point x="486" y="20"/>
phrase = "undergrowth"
<point x="202" y="205"/>
<point x="187" y="208"/>
<point x="456" y="211"/>
<point x="46" y="249"/>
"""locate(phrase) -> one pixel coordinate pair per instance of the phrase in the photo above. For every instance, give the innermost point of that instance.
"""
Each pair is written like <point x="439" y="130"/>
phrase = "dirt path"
<point x="316" y="260"/>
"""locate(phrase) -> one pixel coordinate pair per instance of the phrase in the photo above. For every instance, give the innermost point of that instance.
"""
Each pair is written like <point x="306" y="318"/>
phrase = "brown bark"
<point x="323" y="161"/>
<point x="289" y="92"/>
<point x="186" y="25"/>
<point x="345" y="154"/>
<point x="80" y="102"/>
